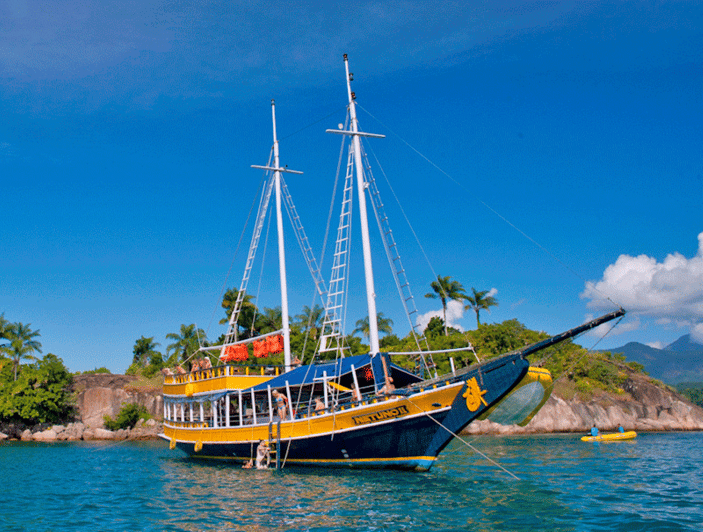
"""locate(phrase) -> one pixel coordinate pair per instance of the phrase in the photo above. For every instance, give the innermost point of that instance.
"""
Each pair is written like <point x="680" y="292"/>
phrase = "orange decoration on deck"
<point x="274" y="344"/>
<point x="260" y="348"/>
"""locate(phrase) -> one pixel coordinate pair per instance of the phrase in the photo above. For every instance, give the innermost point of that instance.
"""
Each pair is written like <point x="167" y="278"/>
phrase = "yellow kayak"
<point x="613" y="436"/>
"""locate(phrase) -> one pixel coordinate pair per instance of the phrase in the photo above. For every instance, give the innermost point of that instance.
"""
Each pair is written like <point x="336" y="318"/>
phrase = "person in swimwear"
<point x="281" y="401"/>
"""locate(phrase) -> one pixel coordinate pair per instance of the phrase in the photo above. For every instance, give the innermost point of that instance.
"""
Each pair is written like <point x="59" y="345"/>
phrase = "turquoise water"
<point x="652" y="483"/>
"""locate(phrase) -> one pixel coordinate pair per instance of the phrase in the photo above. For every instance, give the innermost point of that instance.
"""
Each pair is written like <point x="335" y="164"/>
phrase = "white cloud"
<point x="656" y="345"/>
<point x="455" y="312"/>
<point x="610" y="329"/>
<point x="668" y="291"/>
<point x="697" y="333"/>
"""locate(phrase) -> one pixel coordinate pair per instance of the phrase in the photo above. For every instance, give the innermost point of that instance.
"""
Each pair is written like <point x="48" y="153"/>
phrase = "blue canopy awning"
<point x="315" y="372"/>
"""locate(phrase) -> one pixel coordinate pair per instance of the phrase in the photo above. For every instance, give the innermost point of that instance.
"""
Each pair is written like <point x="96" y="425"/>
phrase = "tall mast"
<point x="361" y="186"/>
<point x="281" y="247"/>
<point x="361" y="189"/>
<point x="276" y="169"/>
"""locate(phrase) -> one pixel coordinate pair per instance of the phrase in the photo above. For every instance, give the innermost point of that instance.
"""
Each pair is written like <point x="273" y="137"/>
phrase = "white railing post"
<point x="290" y="403"/>
<point x="356" y="384"/>
<point x="241" y="413"/>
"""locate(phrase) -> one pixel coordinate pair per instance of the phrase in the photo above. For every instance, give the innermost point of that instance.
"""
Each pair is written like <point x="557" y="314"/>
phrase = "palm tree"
<point x="385" y="326"/>
<point x="187" y="343"/>
<point x="22" y="343"/>
<point x="444" y="290"/>
<point x="271" y="320"/>
<point x="478" y="301"/>
<point x="311" y="320"/>
<point x="247" y="313"/>
<point x="144" y="351"/>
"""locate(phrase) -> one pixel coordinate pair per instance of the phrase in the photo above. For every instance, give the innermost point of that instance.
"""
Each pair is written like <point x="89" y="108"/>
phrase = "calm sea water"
<point x="653" y="483"/>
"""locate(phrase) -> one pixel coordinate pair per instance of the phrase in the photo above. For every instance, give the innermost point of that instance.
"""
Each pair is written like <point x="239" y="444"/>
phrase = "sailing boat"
<point x="354" y="411"/>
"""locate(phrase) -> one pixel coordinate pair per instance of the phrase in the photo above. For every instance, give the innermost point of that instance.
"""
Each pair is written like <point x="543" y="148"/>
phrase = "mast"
<point x="281" y="247"/>
<point x="361" y="189"/>
<point x="366" y="243"/>
<point x="276" y="169"/>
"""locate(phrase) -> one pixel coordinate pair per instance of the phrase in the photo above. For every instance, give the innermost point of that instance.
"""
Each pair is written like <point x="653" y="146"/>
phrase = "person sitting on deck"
<point x="296" y="362"/>
<point x="205" y="363"/>
<point x="280" y="403"/>
<point x="262" y="453"/>
<point x="180" y="370"/>
<point x="594" y="430"/>
<point x="167" y="372"/>
<point x="319" y="405"/>
<point x="388" y="388"/>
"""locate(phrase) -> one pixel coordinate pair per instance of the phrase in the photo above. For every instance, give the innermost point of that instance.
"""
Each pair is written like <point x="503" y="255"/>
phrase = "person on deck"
<point x="594" y="430"/>
<point x="319" y="405"/>
<point x="280" y="403"/>
<point x="388" y="388"/>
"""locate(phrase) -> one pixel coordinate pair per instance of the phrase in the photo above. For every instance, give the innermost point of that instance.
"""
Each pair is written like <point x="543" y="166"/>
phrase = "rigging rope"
<point x="586" y="352"/>
<point x="462" y="440"/>
<point x="487" y="206"/>
<point x="239" y="243"/>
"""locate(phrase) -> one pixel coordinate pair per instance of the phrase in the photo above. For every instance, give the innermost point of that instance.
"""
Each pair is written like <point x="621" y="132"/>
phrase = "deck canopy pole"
<point x="213" y="405"/>
<point x="324" y="388"/>
<point x="241" y="412"/>
<point x="290" y="403"/>
<point x="165" y="410"/>
<point x="451" y="363"/>
<point x="191" y="413"/>
<point x="356" y="382"/>
<point x="183" y="413"/>
<point x="268" y="388"/>
<point x="253" y="406"/>
<point x="227" y="411"/>
<point x="202" y="412"/>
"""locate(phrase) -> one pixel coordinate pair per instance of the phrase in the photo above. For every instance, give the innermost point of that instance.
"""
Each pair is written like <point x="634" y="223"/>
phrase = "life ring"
<point x="198" y="446"/>
<point x="172" y="444"/>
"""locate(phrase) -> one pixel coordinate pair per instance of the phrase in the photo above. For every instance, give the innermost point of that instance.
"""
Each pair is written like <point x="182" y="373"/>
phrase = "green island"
<point x="38" y="392"/>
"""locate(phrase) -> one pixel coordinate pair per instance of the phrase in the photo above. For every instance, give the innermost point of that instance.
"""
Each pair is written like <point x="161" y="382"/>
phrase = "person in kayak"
<point x="594" y="430"/>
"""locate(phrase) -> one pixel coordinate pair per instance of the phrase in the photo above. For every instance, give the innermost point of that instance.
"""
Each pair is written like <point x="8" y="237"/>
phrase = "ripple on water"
<point x="653" y="483"/>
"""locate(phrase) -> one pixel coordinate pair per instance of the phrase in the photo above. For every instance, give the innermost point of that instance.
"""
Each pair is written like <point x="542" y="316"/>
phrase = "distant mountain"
<point x="680" y="361"/>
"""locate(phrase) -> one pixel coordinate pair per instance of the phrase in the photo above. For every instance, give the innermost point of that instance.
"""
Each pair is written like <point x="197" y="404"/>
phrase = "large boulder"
<point x="104" y="394"/>
<point x="45" y="435"/>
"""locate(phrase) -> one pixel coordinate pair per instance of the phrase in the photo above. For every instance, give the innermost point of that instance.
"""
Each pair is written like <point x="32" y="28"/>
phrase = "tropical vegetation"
<point x="127" y="417"/>
<point x="445" y="289"/>
<point x="478" y="301"/>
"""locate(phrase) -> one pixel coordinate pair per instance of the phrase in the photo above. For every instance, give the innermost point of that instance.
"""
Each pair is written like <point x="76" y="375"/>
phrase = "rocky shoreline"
<point x="143" y="430"/>
<point x="642" y="407"/>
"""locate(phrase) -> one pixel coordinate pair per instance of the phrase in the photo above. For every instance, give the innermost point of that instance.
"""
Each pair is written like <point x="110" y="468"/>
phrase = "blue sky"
<point x="128" y="129"/>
